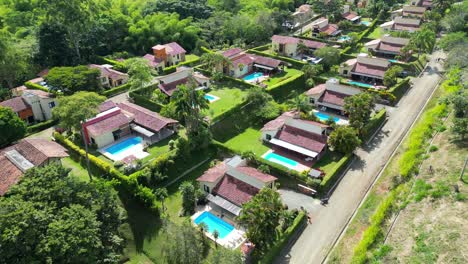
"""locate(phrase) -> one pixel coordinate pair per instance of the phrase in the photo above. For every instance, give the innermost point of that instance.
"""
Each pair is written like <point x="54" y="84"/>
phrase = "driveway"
<point x="296" y="200"/>
<point x="328" y="222"/>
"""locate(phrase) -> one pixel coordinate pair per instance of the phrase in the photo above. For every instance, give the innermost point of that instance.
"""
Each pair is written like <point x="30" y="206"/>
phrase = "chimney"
<point x="159" y="52"/>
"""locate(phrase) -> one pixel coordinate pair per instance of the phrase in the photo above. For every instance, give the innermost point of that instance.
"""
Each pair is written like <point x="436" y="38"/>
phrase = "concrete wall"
<point x="104" y="139"/>
<point x="344" y="67"/>
<point x="272" y="133"/>
<point x="238" y="72"/>
<point x="290" y="50"/>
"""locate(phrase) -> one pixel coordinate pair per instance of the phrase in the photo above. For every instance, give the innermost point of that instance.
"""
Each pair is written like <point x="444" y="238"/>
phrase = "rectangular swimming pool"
<point x="126" y="144"/>
<point x="209" y="97"/>
<point x="214" y="223"/>
<point x="253" y="76"/>
<point x="361" y="84"/>
<point x="324" y="117"/>
<point x="273" y="157"/>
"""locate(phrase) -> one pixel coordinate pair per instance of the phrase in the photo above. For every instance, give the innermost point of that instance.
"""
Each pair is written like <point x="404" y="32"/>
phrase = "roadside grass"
<point x="230" y="96"/>
<point x="279" y="77"/>
<point x="344" y="250"/>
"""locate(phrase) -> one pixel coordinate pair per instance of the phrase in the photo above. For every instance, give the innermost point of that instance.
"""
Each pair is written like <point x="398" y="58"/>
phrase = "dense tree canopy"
<point x="11" y="126"/>
<point x="73" y="79"/>
<point x="359" y="108"/>
<point x="344" y="139"/>
<point x="50" y="216"/>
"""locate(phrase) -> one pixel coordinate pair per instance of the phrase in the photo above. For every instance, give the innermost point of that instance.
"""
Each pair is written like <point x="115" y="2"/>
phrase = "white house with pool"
<point x="228" y="185"/>
<point x="295" y="143"/>
<point x="120" y="131"/>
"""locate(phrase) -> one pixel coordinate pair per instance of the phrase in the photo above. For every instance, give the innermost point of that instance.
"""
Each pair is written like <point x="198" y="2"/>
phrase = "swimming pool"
<point x="273" y="157"/>
<point x="211" y="98"/>
<point x="124" y="145"/>
<point x="324" y="117"/>
<point x="393" y="61"/>
<point x="214" y="223"/>
<point x="253" y="76"/>
<point x="361" y="84"/>
<point x="344" y="38"/>
<point x="366" y="23"/>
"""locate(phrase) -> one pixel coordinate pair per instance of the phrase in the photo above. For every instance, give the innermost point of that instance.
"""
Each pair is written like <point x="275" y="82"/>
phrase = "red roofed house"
<point x="350" y="15"/>
<point x="168" y="83"/>
<point x="109" y="77"/>
<point x="302" y="14"/>
<point x="243" y="63"/>
<point x="232" y="183"/>
<point x="298" y="139"/>
<point x="413" y="11"/>
<point x="321" y="26"/>
<point x="365" y="69"/>
<point x="26" y="154"/>
<point x="386" y="46"/>
<point x="166" y="55"/>
<point x="32" y="105"/>
<point x="119" y="120"/>
<point x="287" y="46"/>
<point x="331" y="95"/>
<point x="402" y="24"/>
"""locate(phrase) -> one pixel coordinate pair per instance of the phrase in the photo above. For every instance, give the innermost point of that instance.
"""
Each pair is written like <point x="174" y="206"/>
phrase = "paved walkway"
<point x="317" y="239"/>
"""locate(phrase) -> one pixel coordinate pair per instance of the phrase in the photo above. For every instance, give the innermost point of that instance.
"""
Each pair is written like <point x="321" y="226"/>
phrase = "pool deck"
<point x="232" y="240"/>
<point x="135" y="150"/>
<point x="342" y="122"/>
<point x="300" y="167"/>
<point x="256" y="80"/>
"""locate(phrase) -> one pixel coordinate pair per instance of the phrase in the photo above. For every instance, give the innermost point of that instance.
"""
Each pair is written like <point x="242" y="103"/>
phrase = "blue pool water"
<point x="130" y="142"/>
<point x="344" y="38"/>
<point x="273" y="157"/>
<point x="361" y="84"/>
<point x="393" y="61"/>
<point x="214" y="223"/>
<point x="253" y="76"/>
<point x="324" y="117"/>
<point x="366" y="23"/>
<point x="209" y="97"/>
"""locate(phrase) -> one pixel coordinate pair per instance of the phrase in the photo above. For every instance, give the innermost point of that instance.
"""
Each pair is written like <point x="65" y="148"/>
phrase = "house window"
<point x="268" y="137"/>
<point x="232" y="73"/>
<point x="178" y="57"/>
<point x="345" y="72"/>
<point x="312" y="100"/>
<point x="93" y="141"/>
<point x="51" y="104"/>
<point x="206" y="188"/>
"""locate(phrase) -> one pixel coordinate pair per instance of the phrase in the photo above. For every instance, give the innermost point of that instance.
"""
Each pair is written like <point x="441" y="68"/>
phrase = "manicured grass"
<point x="230" y="95"/>
<point x="377" y="33"/>
<point x="328" y="162"/>
<point x="248" y="140"/>
<point x="77" y="170"/>
<point x="286" y="74"/>
<point x="189" y="57"/>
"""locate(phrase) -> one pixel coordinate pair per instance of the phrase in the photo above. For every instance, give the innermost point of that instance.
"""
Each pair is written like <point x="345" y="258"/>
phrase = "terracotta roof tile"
<point x="302" y="138"/>
<point x="234" y="190"/>
<point x="9" y="174"/>
<point x="333" y="97"/>
<point x="108" y="72"/>
<point x="108" y="124"/>
<point x="106" y="106"/>
<point x="213" y="174"/>
<point x="231" y="52"/>
<point x="172" y="48"/>
<point x="317" y="89"/>
<point x="369" y="70"/>
<point x="278" y="122"/>
<point x="270" y="62"/>
<point x="292" y="40"/>
<point x="145" y="117"/>
<point x="152" y="61"/>
<point x="17" y="104"/>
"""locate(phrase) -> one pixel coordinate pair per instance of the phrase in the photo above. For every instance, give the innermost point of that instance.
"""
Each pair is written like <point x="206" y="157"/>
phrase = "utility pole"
<point x="86" y="149"/>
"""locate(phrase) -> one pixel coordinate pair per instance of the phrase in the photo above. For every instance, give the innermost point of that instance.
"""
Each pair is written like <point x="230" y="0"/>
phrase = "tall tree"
<point x="359" y="108"/>
<point x="12" y="127"/>
<point x="263" y="103"/>
<point x="53" y="46"/>
<point x="330" y="56"/>
<point x="188" y="197"/>
<point x="73" y="109"/>
<point x="215" y="62"/>
<point x="261" y="216"/>
<point x="51" y="216"/>
<point x="226" y="256"/>
<point x="189" y="103"/>
<point x="300" y="103"/>
<point x="161" y="195"/>
<point x="344" y="139"/>
<point x="15" y="60"/>
<point x="140" y="72"/>
<point x="423" y="41"/>
<point x="183" y="244"/>
<point x="74" y="79"/>
<point x="391" y="75"/>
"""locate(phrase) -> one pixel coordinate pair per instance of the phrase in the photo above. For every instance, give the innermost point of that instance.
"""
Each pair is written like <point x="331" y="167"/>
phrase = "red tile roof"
<point x="9" y="174"/>
<point x="109" y="73"/>
<point x="213" y="174"/>
<point x="254" y="173"/>
<point x="231" y="52"/>
<point x="302" y="138"/>
<point x="170" y="88"/>
<point x="172" y="48"/>
<point x="152" y="61"/>
<point x="292" y="40"/>
<point x="270" y="62"/>
<point x="369" y="70"/>
<point x="350" y="15"/>
<point x="329" y="29"/>
<point x="106" y="106"/>
<point x="17" y="104"/>
<point x="145" y="117"/>
<point x="234" y="190"/>
<point x="278" y="122"/>
<point x="245" y="59"/>
<point x="333" y="97"/>
<point x="317" y="89"/>
<point x="108" y="124"/>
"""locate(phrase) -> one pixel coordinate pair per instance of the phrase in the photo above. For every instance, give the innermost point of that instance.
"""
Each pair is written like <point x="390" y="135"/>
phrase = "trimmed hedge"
<point x="285" y="238"/>
<point x="145" y="102"/>
<point x="330" y="178"/>
<point x="143" y="194"/>
<point x="399" y="89"/>
<point x="41" y="126"/>
<point x="295" y="63"/>
<point x="205" y="49"/>
<point x="263" y="47"/>
<point x="35" y="86"/>
<point x="283" y="89"/>
<point x="374" y="123"/>
<point x="116" y="90"/>
<point x="117" y="65"/>
<point x="229" y="112"/>
<point x="188" y="63"/>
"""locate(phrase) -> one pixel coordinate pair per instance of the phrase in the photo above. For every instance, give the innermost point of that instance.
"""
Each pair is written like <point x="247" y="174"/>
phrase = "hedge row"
<point x="206" y="50"/>
<point x="262" y="48"/>
<point x="371" y="27"/>
<point x="295" y="63"/>
<point x="285" y="239"/>
<point x="229" y="112"/>
<point x="143" y="194"/>
<point x="399" y="89"/>
<point x="283" y="89"/>
<point x="41" y="126"/>
<point x="117" y="65"/>
<point x="331" y="177"/>
<point x="417" y="66"/>
<point x="374" y="230"/>
<point x="188" y="63"/>
<point x="116" y="90"/>
<point x="145" y="102"/>
<point x="35" y="86"/>
<point x="374" y="123"/>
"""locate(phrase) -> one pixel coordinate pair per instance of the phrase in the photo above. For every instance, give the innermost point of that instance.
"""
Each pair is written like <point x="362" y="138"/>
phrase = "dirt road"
<point x="317" y="239"/>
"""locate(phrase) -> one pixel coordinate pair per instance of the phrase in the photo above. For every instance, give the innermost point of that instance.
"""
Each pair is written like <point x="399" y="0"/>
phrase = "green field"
<point x="279" y="77"/>
<point x="248" y="140"/>
<point x="230" y="95"/>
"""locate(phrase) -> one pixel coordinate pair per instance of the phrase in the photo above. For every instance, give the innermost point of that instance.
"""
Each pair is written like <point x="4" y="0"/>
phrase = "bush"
<point x="284" y="239"/>
<point x="145" y="102"/>
<point x="117" y="65"/>
<point x="116" y="90"/>
<point x="283" y="89"/>
<point x="173" y="68"/>
<point x="331" y="177"/>
<point x="35" y="86"/>
<point x="41" y="126"/>
<point x="399" y="89"/>
<point x="374" y="123"/>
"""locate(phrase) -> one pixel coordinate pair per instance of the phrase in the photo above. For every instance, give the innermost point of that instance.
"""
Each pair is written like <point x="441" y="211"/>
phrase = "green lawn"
<point x="77" y="170"/>
<point x="377" y="33"/>
<point x="248" y="140"/>
<point x="230" y="94"/>
<point x="328" y="162"/>
<point x="286" y="74"/>
<point x="189" y="57"/>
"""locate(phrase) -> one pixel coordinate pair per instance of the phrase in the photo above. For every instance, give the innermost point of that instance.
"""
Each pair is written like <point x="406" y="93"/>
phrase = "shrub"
<point x="399" y="89"/>
<point x="433" y="148"/>
<point x="284" y="88"/>
<point x="116" y="90"/>
<point x="173" y="68"/>
<point x="331" y="177"/>
<point x="374" y="123"/>
<point x="41" y="126"/>
<point x="35" y="86"/>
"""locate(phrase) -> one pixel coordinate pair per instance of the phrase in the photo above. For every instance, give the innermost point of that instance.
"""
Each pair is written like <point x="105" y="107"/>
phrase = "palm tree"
<point x="161" y="194"/>
<point x="202" y="227"/>
<point x="215" y="61"/>
<point x="215" y="236"/>
<point x="300" y="104"/>
<point x="423" y="40"/>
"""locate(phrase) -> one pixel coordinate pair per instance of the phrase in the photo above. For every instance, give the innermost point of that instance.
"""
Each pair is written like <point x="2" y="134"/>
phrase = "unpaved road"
<point x="328" y="222"/>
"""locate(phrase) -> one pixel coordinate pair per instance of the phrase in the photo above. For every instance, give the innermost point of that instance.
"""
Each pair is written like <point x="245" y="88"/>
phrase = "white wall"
<point x="290" y="49"/>
<point x="104" y="139"/>
<point x="272" y="133"/>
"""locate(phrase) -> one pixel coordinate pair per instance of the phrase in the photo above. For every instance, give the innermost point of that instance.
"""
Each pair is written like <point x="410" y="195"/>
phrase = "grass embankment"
<point x="390" y="191"/>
